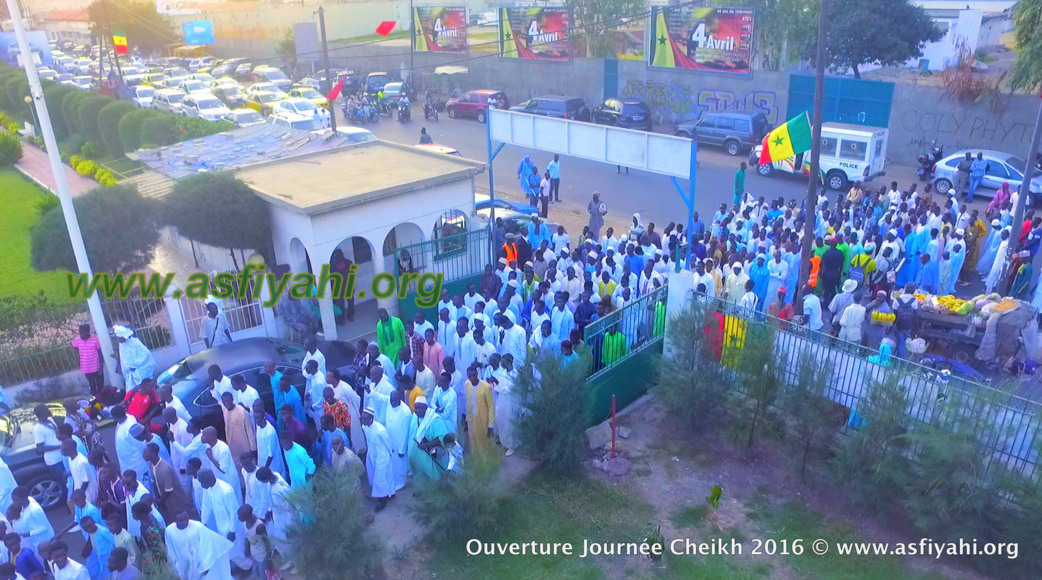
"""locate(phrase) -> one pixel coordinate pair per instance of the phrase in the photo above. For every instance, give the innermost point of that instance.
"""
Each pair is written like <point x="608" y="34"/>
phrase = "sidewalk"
<point x="35" y="165"/>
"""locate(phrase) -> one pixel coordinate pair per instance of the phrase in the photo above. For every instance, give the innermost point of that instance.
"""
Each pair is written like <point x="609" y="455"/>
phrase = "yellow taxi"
<point x="262" y="101"/>
<point x="309" y="94"/>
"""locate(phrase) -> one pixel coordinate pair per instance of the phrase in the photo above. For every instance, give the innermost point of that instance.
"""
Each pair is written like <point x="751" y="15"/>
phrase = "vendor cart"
<point x="950" y="335"/>
<point x="444" y="83"/>
<point x="981" y="338"/>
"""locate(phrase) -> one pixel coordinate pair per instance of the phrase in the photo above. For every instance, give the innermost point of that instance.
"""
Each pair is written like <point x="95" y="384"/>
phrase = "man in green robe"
<point x="390" y="334"/>
<point x="428" y="431"/>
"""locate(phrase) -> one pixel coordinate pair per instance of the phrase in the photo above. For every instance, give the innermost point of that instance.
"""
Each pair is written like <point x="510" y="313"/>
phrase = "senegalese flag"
<point x="507" y="43"/>
<point x="119" y="43"/>
<point x="420" y="36"/>
<point x="787" y="140"/>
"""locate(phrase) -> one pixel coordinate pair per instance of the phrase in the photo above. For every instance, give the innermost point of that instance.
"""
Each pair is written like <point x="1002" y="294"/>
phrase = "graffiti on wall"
<point x="963" y="131"/>
<point x="675" y="100"/>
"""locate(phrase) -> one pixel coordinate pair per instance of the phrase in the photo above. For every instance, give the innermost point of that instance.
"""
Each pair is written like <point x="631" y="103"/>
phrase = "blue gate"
<point x="847" y="100"/>
<point x="611" y="78"/>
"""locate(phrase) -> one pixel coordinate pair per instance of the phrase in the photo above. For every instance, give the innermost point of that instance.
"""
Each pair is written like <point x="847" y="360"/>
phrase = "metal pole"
<point x="1025" y="186"/>
<point x="412" y="44"/>
<point x="491" y="188"/>
<point x="613" y="425"/>
<point x="325" y="63"/>
<point x="691" y="202"/>
<point x="815" y="156"/>
<point x="61" y="185"/>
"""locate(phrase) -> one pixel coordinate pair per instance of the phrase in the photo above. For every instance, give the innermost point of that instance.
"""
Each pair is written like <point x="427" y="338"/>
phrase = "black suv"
<point x="735" y="132"/>
<point x="627" y="114"/>
<point x="572" y="108"/>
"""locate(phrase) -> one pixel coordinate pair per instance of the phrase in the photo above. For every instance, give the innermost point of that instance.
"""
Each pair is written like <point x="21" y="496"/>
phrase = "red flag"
<point x="386" y="27"/>
<point x="333" y="94"/>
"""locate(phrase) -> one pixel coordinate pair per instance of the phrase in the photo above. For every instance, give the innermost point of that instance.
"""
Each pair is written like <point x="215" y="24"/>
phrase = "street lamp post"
<point x="32" y="111"/>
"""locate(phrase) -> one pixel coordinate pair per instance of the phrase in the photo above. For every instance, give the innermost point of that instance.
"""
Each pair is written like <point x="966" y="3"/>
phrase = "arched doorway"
<point x="401" y="236"/>
<point x="354" y="309"/>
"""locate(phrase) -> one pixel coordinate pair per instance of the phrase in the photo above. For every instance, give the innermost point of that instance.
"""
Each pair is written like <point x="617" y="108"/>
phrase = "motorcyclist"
<point x="428" y="104"/>
<point x="425" y="139"/>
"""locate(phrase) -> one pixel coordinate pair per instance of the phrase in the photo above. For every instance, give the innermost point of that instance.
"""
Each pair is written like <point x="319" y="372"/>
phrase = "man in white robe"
<point x="135" y="493"/>
<point x="258" y="495"/>
<point x="378" y="460"/>
<point x="63" y="567"/>
<point x="178" y="429"/>
<point x="196" y="551"/>
<point x="346" y="395"/>
<point x="128" y="448"/>
<point x="7" y="485"/>
<point x="32" y="523"/>
<point x="378" y="384"/>
<point x="506" y="411"/>
<point x="313" y="354"/>
<point x="313" y="389"/>
<point x="220" y="513"/>
<point x="444" y="401"/>
<point x="512" y="338"/>
<point x="778" y="270"/>
<point x="280" y="512"/>
<point x="269" y="452"/>
<point x="136" y="362"/>
<point x="399" y="420"/>
<point x="219" y="459"/>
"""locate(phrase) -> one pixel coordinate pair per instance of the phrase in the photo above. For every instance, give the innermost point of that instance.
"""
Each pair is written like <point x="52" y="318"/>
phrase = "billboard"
<point x="39" y="47"/>
<point x="534" y="33"/>
<point x="198" y="32"/>
<point x="706" y="39"/>
<point x="440" y="29"/>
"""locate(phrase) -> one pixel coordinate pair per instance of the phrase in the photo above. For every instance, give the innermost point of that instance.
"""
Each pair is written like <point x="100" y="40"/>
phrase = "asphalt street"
<point x="650" y="194"/>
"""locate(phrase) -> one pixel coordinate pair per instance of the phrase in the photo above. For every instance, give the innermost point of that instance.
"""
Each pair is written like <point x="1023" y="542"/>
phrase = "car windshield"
<point x="195" y="86"/>
<point x="16" y="428"/>
<point x="175" y="97"/>
<point x="305" y="106"/>
<point x="1016" y="163"/>
<point x="306" y="124"/>
<point x="634" y="109"/>
<point x="203" y="77"/>
<point x="361" y="137"/>
<point x="247" y="117"/>
<point x="309" y="94"/>
<point x="267" y="97"/>
<point x="209" y="104"/>
<point x="178" y="72"/>
<point x="275" y="75"/>
<point x="145" y="92"/>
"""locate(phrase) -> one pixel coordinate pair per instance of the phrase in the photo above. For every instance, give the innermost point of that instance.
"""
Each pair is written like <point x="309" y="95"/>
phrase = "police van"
<point x="849" y="153"/>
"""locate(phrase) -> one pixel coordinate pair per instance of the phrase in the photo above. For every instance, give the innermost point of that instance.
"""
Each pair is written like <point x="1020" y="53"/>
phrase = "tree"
<point x="884" y="32"/>
<point x="53" y="96"/>
<point x="128" y="247"/>
<point x="328" y="516"/>
<point x="463" y="505"/>
<point x="88" y="116"/>
<point x="108" y="125"/>
<point x="811" y="416"/>
<point x="219" y="210"/>
<point x="597" y="22"/>
<point x="287" y="48"/>
<point x="757" y="369"/>
<point x="146" y="29"/>
<point x="785" y="29"/>
<point x="1027" y="30"/>
<point x="130" y="128"/>
<point x="557" y="406"/>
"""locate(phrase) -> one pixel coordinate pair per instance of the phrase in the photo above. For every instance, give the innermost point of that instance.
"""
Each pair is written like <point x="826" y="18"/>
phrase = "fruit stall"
<point x="956" y="329"/>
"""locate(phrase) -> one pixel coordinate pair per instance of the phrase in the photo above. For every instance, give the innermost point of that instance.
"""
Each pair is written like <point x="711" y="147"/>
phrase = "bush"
<point x="91" y="150"/>
<point x="130" y="129"/>
<point x="5" y="77"/>
<point x="219" y="210"/>
<point x="810" y="415"/>
<point x="128" y="247"/>
<point x="13" y="93"/>
<point x="755" y="414"/>
<point x="71" y="145"/>
<point x="86" y="168"/>
<point x="108" y="124"/>
<point x="189" y="128"/>
<point x="158" y="129"/>
<point x="10" y="150"/>
<point x="71" y="112"/>
<point x="329" y="514"/>
<point x="45" y="203"/>
<point x="462" y="505"/>
<point x="88" y="115"/>
<point x="53" y="96"/>
<point x="557" y="404"/>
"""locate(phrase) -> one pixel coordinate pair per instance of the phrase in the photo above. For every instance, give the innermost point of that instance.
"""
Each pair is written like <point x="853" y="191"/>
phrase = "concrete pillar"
<point x="325" y="303"/>
<point x="271" y="327"/>
<point x="380" y="267"/>
<point x="178" y="327"/>
<point x="681" y="285"/>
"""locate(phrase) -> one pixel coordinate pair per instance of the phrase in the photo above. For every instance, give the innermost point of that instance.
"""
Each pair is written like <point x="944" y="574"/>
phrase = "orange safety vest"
<point x="511" y="252"/>
<point x="815" y="265"/>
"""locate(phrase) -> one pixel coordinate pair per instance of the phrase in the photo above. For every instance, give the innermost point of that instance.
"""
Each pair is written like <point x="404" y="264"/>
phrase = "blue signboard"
<point x="198" y="32"/>
<point x="37" y="42"/>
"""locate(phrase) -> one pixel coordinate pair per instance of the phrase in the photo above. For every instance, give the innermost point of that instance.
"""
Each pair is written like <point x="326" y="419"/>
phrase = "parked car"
<point x="266" y="87"/>
<point x="18" y="449"/>
<point x="375" y="81"/>
<point x="437" y="148"/>
<point x="157" y="80"/>
<point x="81" y="66"/>
<point x="309" y="94"/>
<point x="310" y="83"/>
<point x="514" y="221"/>
<point x="46" y="74"/>
<point x="225" y="68"/>
<point x="191" y="87"/>
<point x="302" y="107"/>
<point x="84" y="82"/>
<point x="1002" y="168"/>
<point x="199" y="76"/>
<point x="849" y="153"/>
<point x="244" y="117"/>
<point x="392" y="90"/>
<point x="66" y="80"/>
<point x="490" y="18"/>
<point x="356" y="134"/>
<point x="626" y="114"/>
<point x="245" y="357"/>
<point x="224" y="82"/>
<point x="272" y="75"/>
<point x="555" y="106"/>
<point x="295" y="121"/>
<point x="141" y="96"/>
<point x="475" y="104"/>
<point x="483" y="202"/>
<point x="205" y="106"/>
<point x="168" y="100"/>
<point x="176" y="73"/>
<point x="262" y="101"/>
<point x="243" y="70"/>
<point x="734" y="131"/>
<point x="231" y="95"/>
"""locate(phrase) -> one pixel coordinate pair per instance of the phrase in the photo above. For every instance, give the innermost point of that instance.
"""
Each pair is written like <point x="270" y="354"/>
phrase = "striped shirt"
<point x="90" y="353"/>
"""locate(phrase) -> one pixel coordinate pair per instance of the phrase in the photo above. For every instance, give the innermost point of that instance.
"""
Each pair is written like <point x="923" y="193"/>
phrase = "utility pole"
<point x="815" y="154"/>
<point x="325" y="64"/>
<point x="412" y="44"/>
<point x="1025" y="186"/>
<point x="62" y="187"/>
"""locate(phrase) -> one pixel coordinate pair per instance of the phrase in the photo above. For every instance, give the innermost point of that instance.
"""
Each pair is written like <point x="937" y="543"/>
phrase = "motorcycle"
<point x="372" y="114"/>
<point x="927" y="162"/>
<point x="430" y="111"/>
<point x="404" y="113"/>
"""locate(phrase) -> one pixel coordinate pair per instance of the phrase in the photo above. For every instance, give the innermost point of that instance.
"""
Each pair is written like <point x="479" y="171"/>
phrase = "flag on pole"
<point x="787" y="140"/>
<point x="333" y="94"/>
<point x="386" y="27"/>
<point x="119" y="43"/>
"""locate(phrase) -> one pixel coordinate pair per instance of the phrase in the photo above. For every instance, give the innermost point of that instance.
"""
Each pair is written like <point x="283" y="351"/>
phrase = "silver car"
<point x="1002" y="168"/>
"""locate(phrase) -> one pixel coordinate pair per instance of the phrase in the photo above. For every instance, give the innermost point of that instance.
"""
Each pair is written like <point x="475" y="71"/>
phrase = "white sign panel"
<point x="653" y="152"/>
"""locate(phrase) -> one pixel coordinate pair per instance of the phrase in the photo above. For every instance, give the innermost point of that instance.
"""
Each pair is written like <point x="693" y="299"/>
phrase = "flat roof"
<point x="851" y="128"/>
<point x="328" y="180"/>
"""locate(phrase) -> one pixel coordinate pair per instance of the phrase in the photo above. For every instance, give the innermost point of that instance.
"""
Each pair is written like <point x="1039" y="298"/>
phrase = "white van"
<point x="849" y="153"/>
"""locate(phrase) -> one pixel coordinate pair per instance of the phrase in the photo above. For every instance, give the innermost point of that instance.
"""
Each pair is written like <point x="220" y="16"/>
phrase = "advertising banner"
<point x="198" y="32"/>
<point x="440" y="29"/>
<point x="707" y="39"/>
<point x="534" y="33"/>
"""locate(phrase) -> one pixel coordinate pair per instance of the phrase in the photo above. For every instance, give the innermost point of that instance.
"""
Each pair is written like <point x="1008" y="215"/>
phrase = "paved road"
<point x="650" y="194"/>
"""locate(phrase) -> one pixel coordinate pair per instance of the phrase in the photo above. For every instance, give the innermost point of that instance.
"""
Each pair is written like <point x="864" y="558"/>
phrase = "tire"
<point x="452" y="113"/>
<point x="1030" y="201"/>
<point x="942" y="186"/>
<point x="683" y="134"/>
<point x="733" y="148"/>
<point x="613" y="122"/>
<point x="481" y="116"/>
<point x="765" y="169"/>
<point x="47" y="491"/>
<point x="836" y="180"/>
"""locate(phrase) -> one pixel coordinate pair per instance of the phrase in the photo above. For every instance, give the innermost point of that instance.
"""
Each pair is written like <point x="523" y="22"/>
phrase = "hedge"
<point x="159" y="129"/>
<point x="88" y="115"/>
<point x="88" y="168"/>
<point x="130" y="129"/>
<point x="70" y="110"/>
<point x="109" y="119"/>
<point x="53" y="96"/>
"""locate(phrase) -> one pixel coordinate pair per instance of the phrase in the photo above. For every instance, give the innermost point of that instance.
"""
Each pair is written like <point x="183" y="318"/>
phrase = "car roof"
<point x="987" y="153"/>
<point x="257" y="349"/>
<point x="438" y="148"/>
<point x="555" y="98"/>
<point x="375" y="73"/>
<point x="353" y="131"/>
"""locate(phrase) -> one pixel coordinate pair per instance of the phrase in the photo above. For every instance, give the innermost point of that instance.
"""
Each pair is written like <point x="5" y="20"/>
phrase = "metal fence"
<point x="454" y="257"/>
<point x="1008" y="426"/>
<point x="146" y="316"/>
<point x="242" y="314"/>
<point x="623" y="333"/>
<point x="35" y="341"/>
